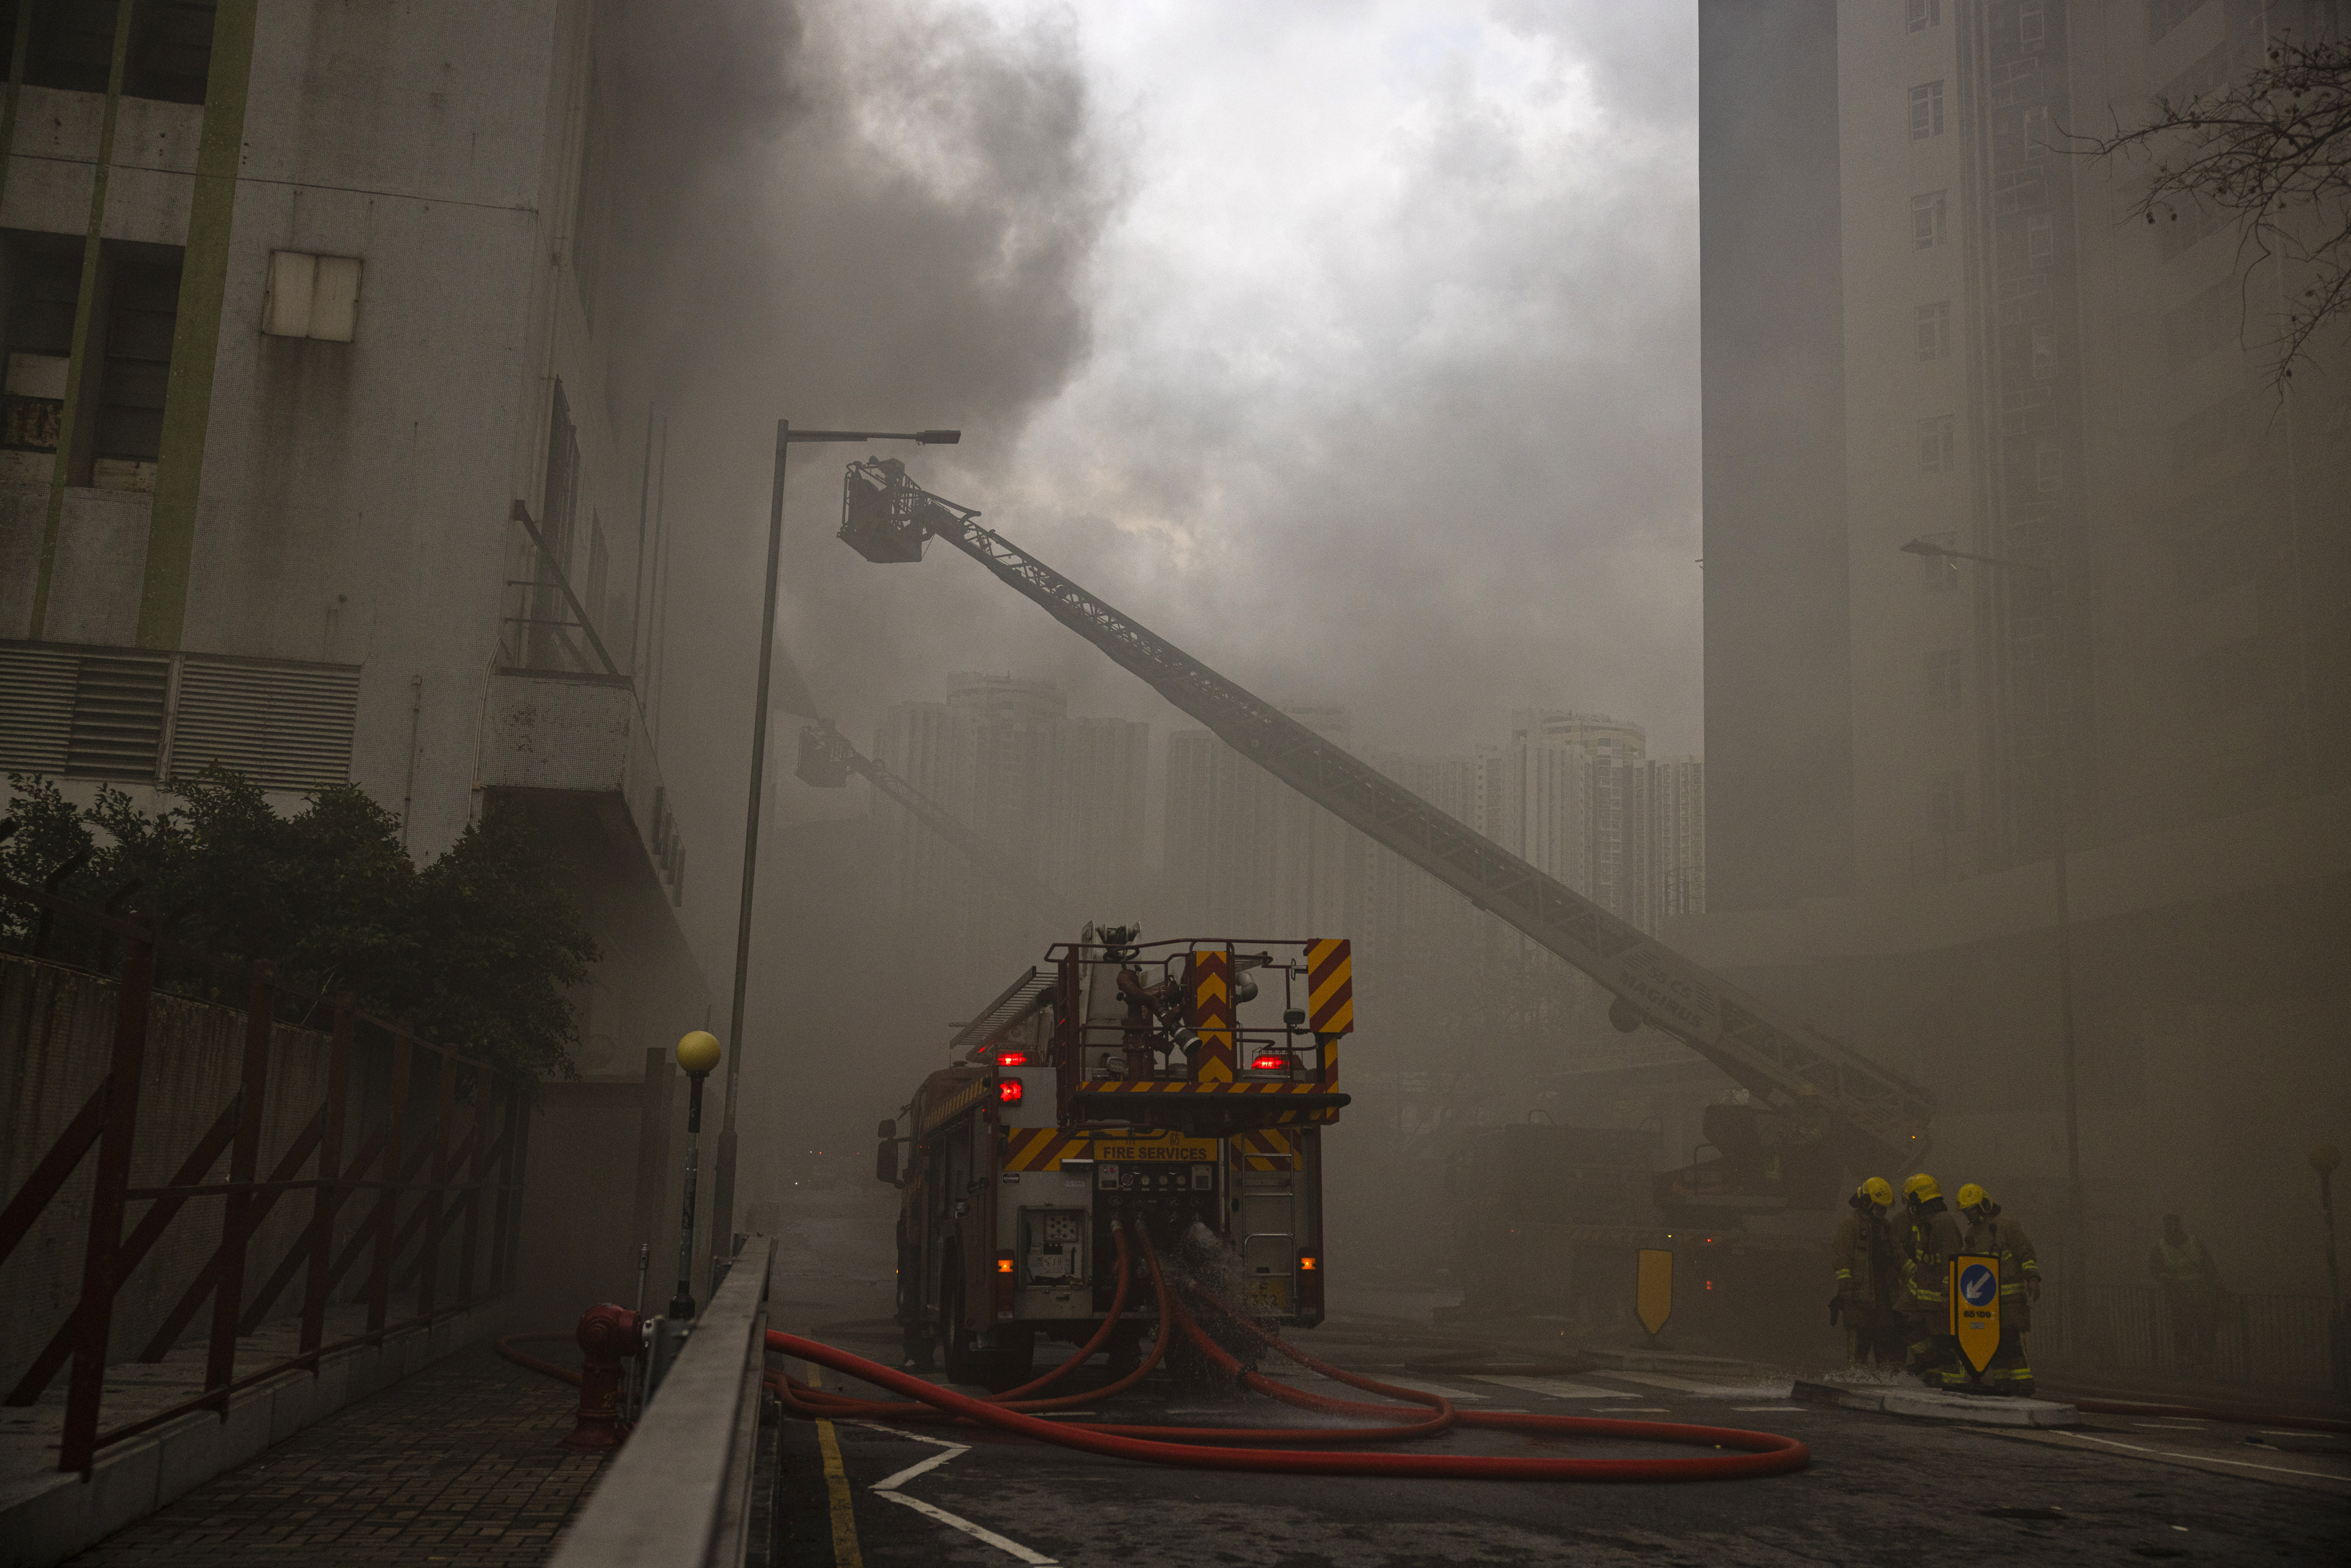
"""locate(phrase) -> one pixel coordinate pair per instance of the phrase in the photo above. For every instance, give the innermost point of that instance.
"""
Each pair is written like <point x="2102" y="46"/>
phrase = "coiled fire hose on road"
<point x="1213" y="1447"/>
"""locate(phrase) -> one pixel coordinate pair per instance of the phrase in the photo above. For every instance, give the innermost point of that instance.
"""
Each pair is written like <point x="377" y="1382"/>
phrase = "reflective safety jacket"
<point x="2003" y="1238"/>
<point x="1930" y="1239"/>
<point x="1862" y="1259"/>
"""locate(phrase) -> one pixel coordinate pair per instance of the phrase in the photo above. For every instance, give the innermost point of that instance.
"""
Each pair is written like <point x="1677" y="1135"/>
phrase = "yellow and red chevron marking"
<point x="1042" y="1148"/>
<point x="1330" y="986"/>
<point x="1263" y="1149"/>
<point x="1209" y="1010"/>
<point x="1178" y="1086"/>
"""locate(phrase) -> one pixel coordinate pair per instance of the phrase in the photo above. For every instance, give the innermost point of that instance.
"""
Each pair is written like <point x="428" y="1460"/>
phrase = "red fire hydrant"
<point x="608" y="1336"/>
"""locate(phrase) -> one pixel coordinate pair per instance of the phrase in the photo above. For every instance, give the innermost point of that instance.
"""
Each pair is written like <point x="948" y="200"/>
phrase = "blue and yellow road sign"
<point x="1975" y="1307"/>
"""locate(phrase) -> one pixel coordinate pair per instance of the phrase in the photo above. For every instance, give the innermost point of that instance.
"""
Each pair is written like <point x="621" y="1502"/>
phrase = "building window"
<point x="2044" y="351"/>
<point x="2032" y="25"/>
<point x="46" y="278"/>
<point x="1928" y="214"/>
<point x="141" y="317"/>
<point x="1947" y="804"/>
<point x="1943" y="680"/>
<point x="1938" y="444"/>
<point x="170" y="57"/>
<point x="1939" y="573"/>
<point x="2040" y="241"/>
<point x="1926" y="13"/>
<point x="2049" y="469"/>
<point x="1932" y="325"/>
<point x="311" y="297"/>
<point x="1926" y="111"/>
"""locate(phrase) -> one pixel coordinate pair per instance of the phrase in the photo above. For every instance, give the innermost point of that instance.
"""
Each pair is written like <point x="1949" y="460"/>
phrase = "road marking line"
<point x="1751" y="1409"/>
<point x="1559" y="1389"/>
<point x="2200" y="1459"/>
<point x="977" y="1531"/>
<point x="839" y="1503"/>
<point x="1706" y="1389"/>
<point x="1420" y="1385"/>
<point x="889" y="1485"/>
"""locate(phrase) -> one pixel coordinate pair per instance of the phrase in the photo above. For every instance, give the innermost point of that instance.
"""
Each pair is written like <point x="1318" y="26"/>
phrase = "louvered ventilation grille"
<point x="37" y="694"/>
<point x="118" y="715"/>
<point x="284" y="726"/>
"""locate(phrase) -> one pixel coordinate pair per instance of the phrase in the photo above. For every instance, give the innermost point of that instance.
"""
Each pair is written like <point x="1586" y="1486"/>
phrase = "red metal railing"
<point x="392" y="1163"/>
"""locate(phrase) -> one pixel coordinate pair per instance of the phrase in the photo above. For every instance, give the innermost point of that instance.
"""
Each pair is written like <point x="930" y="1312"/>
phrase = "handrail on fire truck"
<point x="886" y="516"/>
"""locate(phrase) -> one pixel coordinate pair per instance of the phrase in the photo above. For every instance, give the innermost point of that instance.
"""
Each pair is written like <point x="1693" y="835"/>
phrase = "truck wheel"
<point x="1006" y="1366"/>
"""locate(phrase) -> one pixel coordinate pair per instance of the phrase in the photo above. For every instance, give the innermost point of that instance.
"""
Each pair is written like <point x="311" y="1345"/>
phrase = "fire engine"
<point x="1179" y="1086"/>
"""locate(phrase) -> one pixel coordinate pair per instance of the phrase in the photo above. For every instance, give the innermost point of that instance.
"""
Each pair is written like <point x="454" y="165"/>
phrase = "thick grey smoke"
<point x="1354" y="349"/>
<point x="1393" y="396"/>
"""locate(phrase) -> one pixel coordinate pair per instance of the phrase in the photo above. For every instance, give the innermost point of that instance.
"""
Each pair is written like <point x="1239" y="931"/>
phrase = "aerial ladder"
<point x="1789" y="1067"/>
<point x="826" y="759"/>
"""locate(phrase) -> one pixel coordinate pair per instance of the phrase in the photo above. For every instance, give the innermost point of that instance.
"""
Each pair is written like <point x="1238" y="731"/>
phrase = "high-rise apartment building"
<point x="1247" y="853"/>
<point x="1930" y="314"/>
<point x="1571" y="793"/>
<point x="1063" y="797"/>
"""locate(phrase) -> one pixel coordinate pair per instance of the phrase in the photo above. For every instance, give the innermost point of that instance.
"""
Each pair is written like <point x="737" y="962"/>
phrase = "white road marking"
<point x="1423" y="1386"/>
<point x="2200" y="1459"/>
<point x="888" y="1487"/>
<point x="1559" y="1389"/>
<point x="1703" y="1389"/>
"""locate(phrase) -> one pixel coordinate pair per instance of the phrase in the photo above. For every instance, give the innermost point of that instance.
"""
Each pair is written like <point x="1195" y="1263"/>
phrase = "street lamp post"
<point x="697" y="1052"/>
<point x="2073" y="1296"/>
<point x="722" y="1196"/>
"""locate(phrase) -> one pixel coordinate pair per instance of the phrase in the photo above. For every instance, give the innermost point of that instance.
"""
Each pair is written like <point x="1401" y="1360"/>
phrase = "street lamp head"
<point x="697" y="1052"/>
<point x="1921" y="547"/>
<point x="937" y="437"/>
<point x="2325" y="1158"/>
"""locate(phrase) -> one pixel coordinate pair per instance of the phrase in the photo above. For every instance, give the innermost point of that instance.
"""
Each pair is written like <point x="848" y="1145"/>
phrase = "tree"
<point x="2274" y="149"/>
<point x="480" y="949"/>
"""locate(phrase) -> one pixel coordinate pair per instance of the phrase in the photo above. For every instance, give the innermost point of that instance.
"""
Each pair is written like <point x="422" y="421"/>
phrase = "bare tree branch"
<point x="2275" y="150"/>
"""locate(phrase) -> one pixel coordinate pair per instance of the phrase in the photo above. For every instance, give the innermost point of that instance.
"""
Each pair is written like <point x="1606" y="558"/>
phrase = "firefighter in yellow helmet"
<point x="1991" y="1234"/>
<point x="1865" y="1259"/>
<point x="1929" y="1241"/>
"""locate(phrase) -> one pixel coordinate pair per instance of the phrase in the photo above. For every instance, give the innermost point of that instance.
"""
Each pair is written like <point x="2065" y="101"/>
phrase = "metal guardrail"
<point x="2259" y="1340"/>
<point x="694" y="1485"/>
<point x="428" y="1180"/>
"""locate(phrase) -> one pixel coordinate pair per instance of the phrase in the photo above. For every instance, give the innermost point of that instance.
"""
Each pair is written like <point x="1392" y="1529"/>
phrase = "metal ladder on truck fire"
<point x="886" y="517"/>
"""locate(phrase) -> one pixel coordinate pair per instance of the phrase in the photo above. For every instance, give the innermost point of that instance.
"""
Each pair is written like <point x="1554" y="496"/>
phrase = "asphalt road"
<point x="1880" y="1489"/>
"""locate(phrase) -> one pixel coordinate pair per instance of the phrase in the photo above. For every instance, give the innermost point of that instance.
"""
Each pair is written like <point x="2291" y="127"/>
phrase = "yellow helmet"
<point x="1877" y="1190"/>
<point x="1920" y="1188"/>
<point x="1973" y="1196"/>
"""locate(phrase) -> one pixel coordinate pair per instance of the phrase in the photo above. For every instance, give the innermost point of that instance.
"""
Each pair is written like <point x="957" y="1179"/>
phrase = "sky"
<point x="1353" y="347"/>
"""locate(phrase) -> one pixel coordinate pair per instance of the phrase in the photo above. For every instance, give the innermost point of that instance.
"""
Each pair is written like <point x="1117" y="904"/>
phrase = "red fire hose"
<point x="1202" y="1447"/>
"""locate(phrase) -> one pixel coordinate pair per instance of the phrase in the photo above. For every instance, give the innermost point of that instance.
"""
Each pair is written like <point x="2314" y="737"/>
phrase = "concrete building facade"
<point x="315" y="460"/>
<point x="2007" y="360"/>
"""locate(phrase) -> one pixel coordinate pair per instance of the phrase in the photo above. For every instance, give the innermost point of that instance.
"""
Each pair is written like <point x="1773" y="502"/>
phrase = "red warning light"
<point x="1011" y="1059"/>
<point x="1008" y="1092"/>
<point x="1004" y="1263"/>
<point x="1307" y="1262"/>
<point x="1269" y="1063"/>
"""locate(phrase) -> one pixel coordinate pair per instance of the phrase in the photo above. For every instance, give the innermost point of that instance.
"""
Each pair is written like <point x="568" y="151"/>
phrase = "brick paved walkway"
<point x="455" y="1465"/>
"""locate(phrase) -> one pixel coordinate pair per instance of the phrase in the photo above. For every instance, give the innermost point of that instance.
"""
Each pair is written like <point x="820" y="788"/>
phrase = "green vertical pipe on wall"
<point x="85" y="316"/>
<point x="195" y="340"/>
